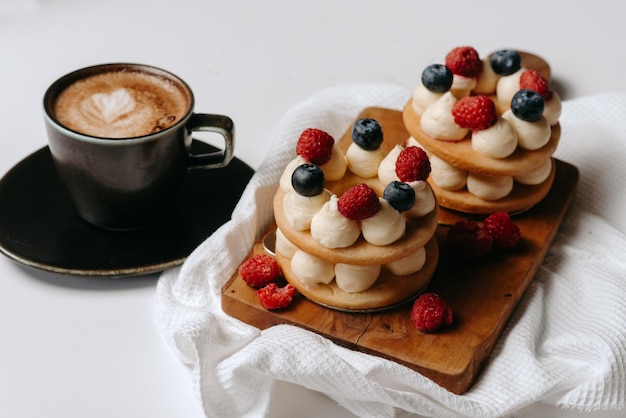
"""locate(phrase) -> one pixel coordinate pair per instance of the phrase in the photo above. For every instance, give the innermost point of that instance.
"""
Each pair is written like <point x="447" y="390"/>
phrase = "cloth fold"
<point x="564" y="345"/>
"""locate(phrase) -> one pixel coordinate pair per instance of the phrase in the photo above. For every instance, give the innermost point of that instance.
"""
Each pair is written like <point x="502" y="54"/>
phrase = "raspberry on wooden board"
<point x="502" y="229"/>
<point x="273" y="297"/>
<point x="259" y="270"/>
<point x="431" y="312"/>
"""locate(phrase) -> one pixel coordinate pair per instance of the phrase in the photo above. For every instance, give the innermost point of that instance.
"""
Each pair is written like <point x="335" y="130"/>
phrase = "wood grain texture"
<point x="483" y="293"/>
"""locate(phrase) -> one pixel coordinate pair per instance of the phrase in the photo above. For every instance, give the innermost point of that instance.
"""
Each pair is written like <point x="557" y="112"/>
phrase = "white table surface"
<point x="88" y="347"/>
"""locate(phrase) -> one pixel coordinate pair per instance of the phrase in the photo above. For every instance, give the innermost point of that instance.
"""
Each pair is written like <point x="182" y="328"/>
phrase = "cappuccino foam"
<point x="121" y="104"/>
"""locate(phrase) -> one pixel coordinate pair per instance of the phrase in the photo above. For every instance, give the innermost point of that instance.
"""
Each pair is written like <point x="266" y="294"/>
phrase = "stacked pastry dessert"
<point x="356" y="219"/>
<point x="490" y="127"/>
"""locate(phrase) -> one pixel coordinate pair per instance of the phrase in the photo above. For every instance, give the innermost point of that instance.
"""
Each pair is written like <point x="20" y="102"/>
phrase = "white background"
<point x="84" y="347"/>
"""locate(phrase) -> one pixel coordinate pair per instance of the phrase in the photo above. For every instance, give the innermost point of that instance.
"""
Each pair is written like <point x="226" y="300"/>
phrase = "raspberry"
<point x="532" y="80"/>
<point x="464" y="60"/>
<point x="315" y="146"/>
<point x="259" y="270"/>
<point x="358" y="202"/>
<point x="475" y="112"/>
<point x="468" y="240"/>
<point x="412" y="164"/>
<point x="430" y="312"/>
<point x="274" y="297"/>
<point x="504" y="232"/>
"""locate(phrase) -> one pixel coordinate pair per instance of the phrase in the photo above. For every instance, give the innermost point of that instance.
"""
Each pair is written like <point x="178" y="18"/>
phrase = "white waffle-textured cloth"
<point x="565" y="344"/>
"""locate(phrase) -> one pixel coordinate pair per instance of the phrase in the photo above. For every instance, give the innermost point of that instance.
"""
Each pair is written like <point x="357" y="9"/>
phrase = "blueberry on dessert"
<point x="527" y="105"/>
<point x="506" y="62"/>
<point x="437" y="78"/>
<point x="367" y="134"/>
<point x="365" y="153"/>
<point x="308" y="180"/>
<point x="399" y="195"/>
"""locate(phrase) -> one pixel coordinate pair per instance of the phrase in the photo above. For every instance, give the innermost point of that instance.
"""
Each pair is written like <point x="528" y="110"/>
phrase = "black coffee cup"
<point x="120" y="137"/>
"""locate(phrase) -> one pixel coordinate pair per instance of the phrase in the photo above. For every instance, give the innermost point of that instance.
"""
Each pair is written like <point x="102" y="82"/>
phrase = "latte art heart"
<point x="121" y="104"/>
<point x="110" y="106"/>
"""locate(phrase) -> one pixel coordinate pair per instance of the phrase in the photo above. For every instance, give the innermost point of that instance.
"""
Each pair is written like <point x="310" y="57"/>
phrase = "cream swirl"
<point x="353" y="278"/>
<point x="424" y="199"/>
<point x="299" y="210"/>
<point x="333" y="230"/>
<point x="537" y="175"/>
<point x="447" y="176"/>
<point x="311" y="270"/>
<point x="507" y="87"/>
<point x="552" y="109"/>
<point x="387" y="167"/>
<point x="362" y="162"/>
<point x="530" y="135"/>
<point x="422" y="98"/>
<point x="438" y="122"/>
<point x="462" y="86"/>
<point x="283" y="246"/>
<point x="335" y="168"/>
<point x="497" y="141"/>
<point x="385" y="227"/>
<point x="487" y="80"/>
<point x="489" y="187"/>
<point x="409" y="264"/>
<point x="285" y="178"/>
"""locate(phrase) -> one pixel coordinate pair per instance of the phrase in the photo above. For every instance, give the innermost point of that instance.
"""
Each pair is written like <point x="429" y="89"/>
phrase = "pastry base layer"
<point x="387" y="292"/>
<point x="461" y="154"/>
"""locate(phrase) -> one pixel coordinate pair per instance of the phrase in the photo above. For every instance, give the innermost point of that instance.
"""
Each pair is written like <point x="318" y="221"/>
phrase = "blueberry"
<point x="308" y="180"/>
<point x="506" y="61"/>
<point x="399" y="195"/>
<point x="527" y="105"/>
<point x="367" y="134"/>
<point x="437" y="78"/>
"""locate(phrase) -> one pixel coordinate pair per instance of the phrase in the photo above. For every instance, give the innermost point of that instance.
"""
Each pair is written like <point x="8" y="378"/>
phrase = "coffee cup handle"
<point x="223" y="125"/>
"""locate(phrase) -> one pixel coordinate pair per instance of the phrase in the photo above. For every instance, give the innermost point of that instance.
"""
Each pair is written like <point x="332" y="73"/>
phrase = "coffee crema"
<point x="121" y="104"/>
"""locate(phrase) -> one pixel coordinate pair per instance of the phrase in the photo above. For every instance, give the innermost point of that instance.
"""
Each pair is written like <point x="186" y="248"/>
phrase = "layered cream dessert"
<point x="356" y="219"/>
<point x="490" y="127"/>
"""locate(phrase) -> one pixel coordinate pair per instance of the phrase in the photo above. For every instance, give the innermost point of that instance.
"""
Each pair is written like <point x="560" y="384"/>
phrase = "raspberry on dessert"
<point x="367" y="134"/>
<point x="531" y="79"/>
<point x="430" y="312"/>
<point x="505" y="62"/>
<point x="527" y="105"/>
<point x="399" y="195"/>
<point x="308" y="180"/>
<point x="412" y="164"/>
<point x="274" y="297"/>
<point x="358" y="202"/>
<point x="315" y="146"/>
<point x="464" y="61"/>
<point x="468" y="240"/>
<point x="437" y="78"/>
<point x="259" y="270"/>
<point x="502" y="229"/>
<point x="475" y="112"/>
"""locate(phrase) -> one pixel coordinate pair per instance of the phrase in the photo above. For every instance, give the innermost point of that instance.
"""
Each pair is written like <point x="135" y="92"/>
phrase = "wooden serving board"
<point x="483" y="293"/>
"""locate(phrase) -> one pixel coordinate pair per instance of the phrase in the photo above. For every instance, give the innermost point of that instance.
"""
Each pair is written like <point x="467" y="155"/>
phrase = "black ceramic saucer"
<point x="39" y="228"/>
